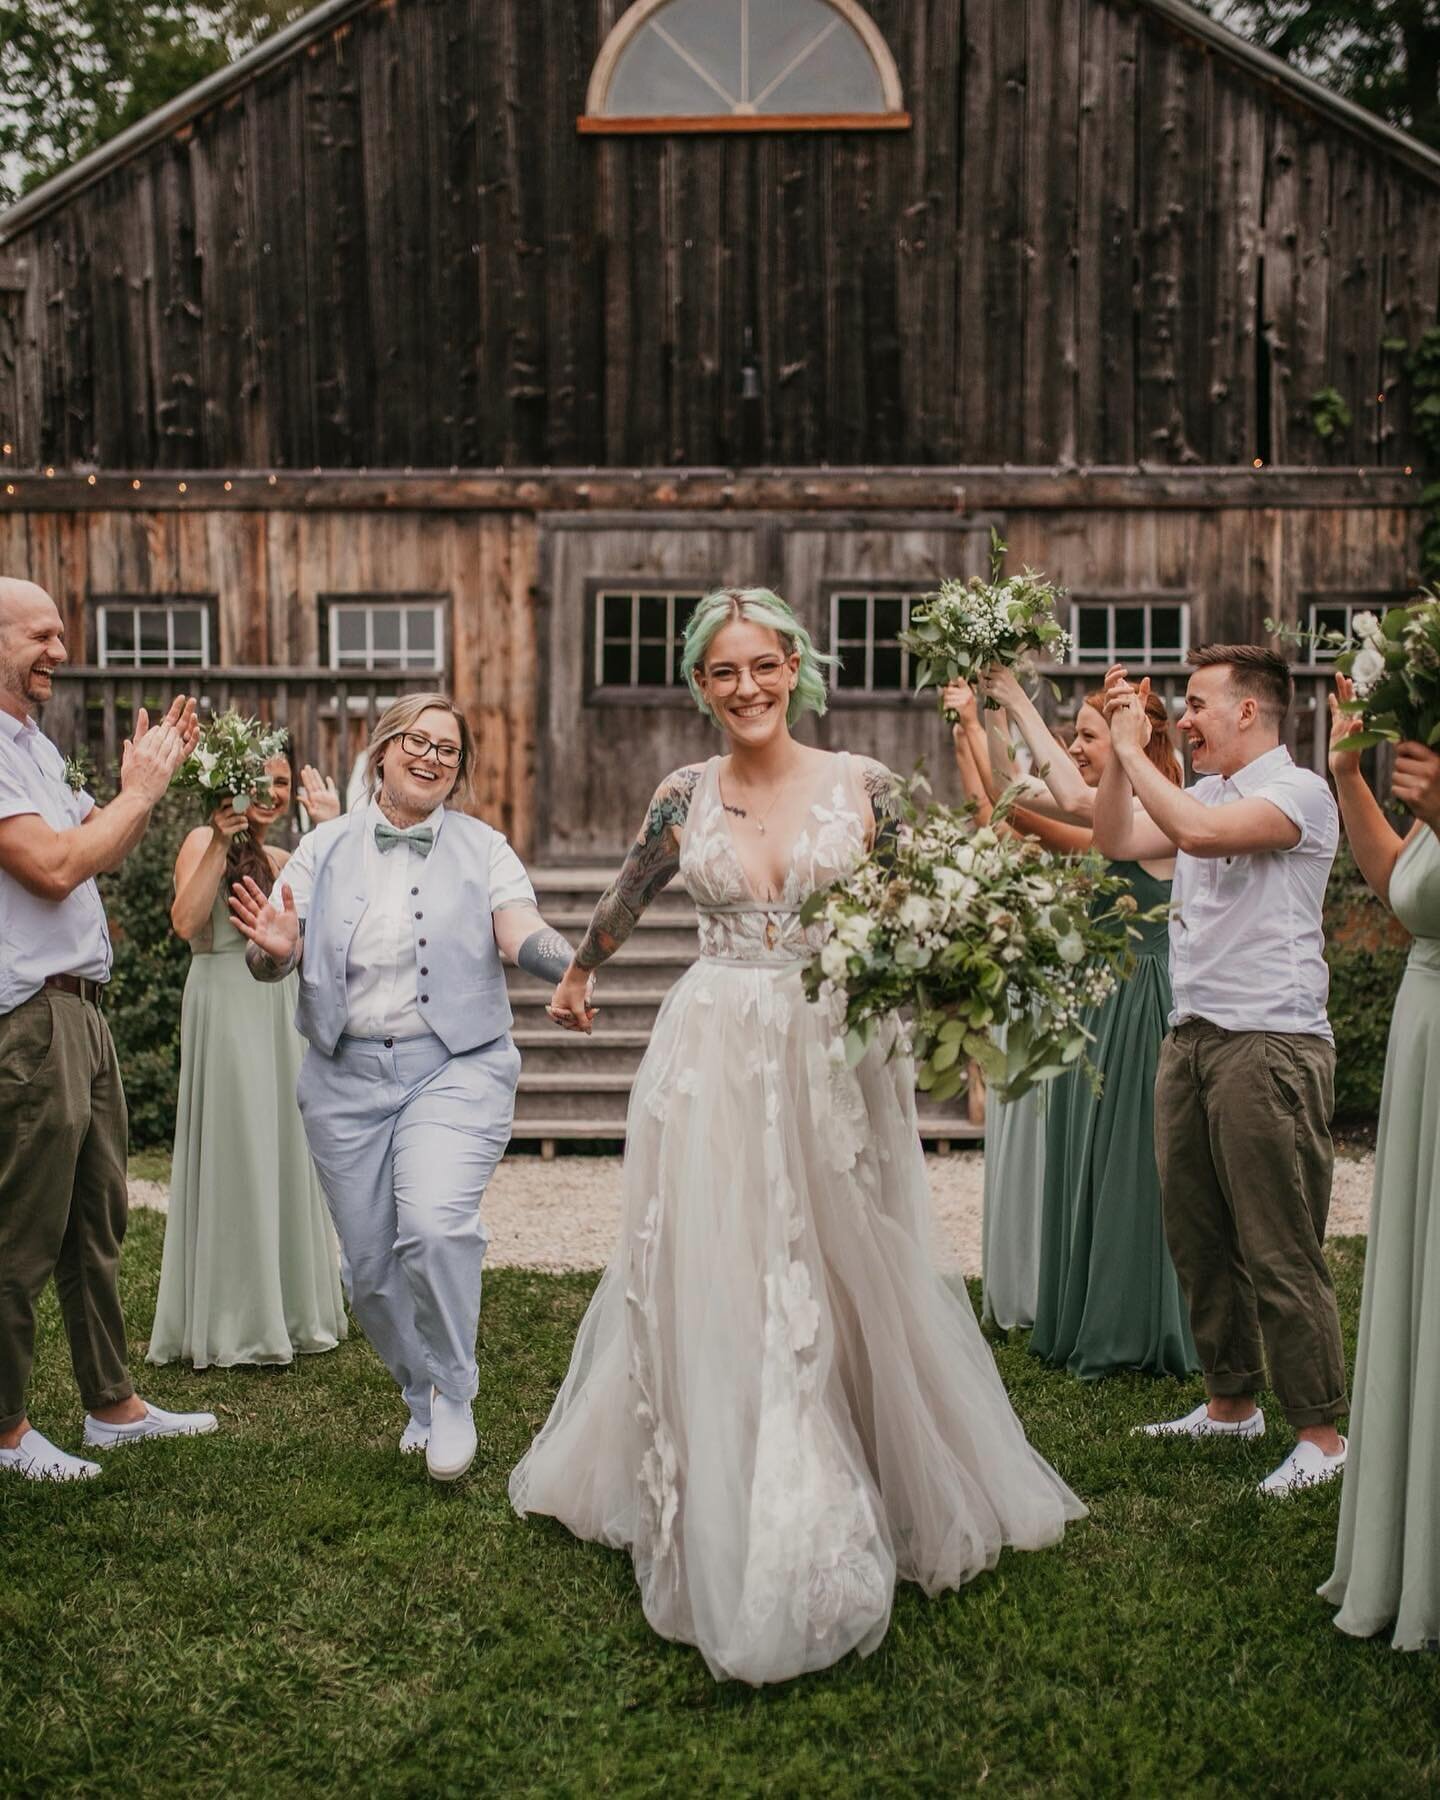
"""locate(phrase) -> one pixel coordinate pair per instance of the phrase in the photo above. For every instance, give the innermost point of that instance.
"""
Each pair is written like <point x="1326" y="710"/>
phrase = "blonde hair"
<point x="400" y="718"/>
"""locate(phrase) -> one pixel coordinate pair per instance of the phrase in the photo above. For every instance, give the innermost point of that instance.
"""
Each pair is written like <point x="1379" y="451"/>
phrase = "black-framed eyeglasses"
<point x="415" y="743"/>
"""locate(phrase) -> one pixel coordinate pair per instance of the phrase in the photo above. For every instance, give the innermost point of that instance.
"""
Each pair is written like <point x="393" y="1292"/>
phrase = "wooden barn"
<point x="469" y="341"/>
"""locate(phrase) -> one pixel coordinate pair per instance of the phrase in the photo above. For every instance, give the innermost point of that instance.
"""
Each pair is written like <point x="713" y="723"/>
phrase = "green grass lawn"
<point x="287" y="1608"/>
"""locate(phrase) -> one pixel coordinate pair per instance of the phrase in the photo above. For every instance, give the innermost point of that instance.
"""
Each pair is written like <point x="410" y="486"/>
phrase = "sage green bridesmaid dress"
<point x="251" y="1270"/>
<point x="1387" y="1558"/>
<point x="1108" y="1297"/>
<point x="1013" y="1192"/>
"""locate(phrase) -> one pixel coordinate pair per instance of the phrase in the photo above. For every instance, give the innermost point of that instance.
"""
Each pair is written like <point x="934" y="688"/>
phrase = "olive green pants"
<point x="1242" y="1138"/>
<point x="63" y="1196"/>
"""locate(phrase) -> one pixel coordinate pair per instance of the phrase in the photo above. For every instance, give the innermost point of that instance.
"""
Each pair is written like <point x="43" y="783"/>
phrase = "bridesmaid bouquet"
<point x="1395" y="665"/>
<point x="972" y="625"/>
<point x="229" y="761"/>
<point x="969" y="930"/>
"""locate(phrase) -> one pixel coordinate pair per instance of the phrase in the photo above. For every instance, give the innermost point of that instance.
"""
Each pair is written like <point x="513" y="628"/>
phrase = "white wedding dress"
<point x="774" y="1402"/>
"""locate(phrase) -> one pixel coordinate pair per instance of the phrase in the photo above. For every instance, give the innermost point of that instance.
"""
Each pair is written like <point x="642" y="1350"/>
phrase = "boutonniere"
<point x="78" y="772"/>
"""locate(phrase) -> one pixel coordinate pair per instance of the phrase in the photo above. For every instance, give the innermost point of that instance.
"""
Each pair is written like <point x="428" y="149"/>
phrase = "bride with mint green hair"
<point x="774" y="1403"/>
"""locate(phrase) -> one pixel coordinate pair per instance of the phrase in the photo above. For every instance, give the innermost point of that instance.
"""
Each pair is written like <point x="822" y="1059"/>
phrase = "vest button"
<point x="424" y="971"/>
<point x="419" y="915"/>
<point x="424" y="999"/>
<point x="414" y="890"/>
<point x="421" y="943"/>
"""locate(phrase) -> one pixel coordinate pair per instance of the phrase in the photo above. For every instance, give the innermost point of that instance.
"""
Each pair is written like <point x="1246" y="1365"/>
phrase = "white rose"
<point x="854" y="931"/>
<point x="916" y="913"/>
<point x="964" y="859"/>
<point x="1366" y="627"/>
<point x="835" y="959"/>
<point x="1368" y="667"/>
<point x="1072" y="950"/>
<point x="985" y="838"/>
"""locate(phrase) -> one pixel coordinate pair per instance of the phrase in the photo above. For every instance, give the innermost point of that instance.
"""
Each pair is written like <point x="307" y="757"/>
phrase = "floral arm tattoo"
<point x="885" y="792"/>
<point x="651" y="862"/>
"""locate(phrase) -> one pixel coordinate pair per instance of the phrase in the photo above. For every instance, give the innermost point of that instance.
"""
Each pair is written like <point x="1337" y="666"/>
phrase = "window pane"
<point x="154" y="635"/>
<point x="1165" y="634"/>
<point x="1092" y="629"/>
<point x="654" y="79"/>
<point x="829" y="69"/>
<point x="188" y="627"/>
<point x="889" y="616"/>
<point x="850" y="617"/>
<point x="420" y="629"/>
<point x="1129" y="630"/>
<point x="887" y="667"/>
<point x="617" y="615"/>
<point x="1332" y="618"/>
<point x="654" y="662"/>
<point x="652" y="615"/>
<point x="685" y="605"/>
<point x="349" y="631"/>
<point x="851" y="671"/>
<point x="119" y="632"/>
<point x="615" y="665"/>
<point x="385" y="624"/>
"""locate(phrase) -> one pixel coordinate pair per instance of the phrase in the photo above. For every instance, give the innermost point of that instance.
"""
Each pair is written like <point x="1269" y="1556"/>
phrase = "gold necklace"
<point x="740" y="812"/>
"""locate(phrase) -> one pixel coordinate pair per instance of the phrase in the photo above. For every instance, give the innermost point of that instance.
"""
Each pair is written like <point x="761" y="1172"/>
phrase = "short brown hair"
<point x="400" y="717"/>
<point x="1259" y="674"/>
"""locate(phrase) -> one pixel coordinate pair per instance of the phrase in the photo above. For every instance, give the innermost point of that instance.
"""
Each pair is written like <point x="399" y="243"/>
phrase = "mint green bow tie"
<point x="420" y="838"/>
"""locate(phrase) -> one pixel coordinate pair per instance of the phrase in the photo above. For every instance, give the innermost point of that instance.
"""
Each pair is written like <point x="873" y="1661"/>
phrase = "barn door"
<point x="617" y="591"/>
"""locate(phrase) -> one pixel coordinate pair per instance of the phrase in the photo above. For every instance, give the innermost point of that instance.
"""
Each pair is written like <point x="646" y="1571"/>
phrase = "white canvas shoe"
<point x="1306" y="1466"/>
<point x="37" y="1459"/>
<point x="157" y="1423"/>
<point x="1199" y="1424"/>
<point x="414" y="1438"/>
<point x="452" y="1445"/>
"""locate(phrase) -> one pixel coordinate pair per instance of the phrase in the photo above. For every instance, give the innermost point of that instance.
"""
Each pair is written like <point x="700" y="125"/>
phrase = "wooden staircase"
<point x="578" y="1087"/>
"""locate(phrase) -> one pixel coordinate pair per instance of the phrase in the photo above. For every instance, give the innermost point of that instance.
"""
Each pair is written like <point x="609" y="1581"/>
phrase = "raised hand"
<point x="1129" y="727"/>
<point x="1416" y="782"/>
<point x="318" y="795"/>
<point x="571" y="1006"/>
<point x="226" y="823"/>
<point x="273" y="930"/>
<point x="1003" y="685"/>
<point x="154" y="752"/>
<point x="959" y="705"/>
<point x="1342" y="725"/>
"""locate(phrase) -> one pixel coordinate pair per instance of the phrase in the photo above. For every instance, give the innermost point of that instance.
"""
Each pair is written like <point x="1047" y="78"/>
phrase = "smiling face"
<point x="1217" y="722"/>
<point x="32" y="645"/>
<point x="747" y="680"/>
<point x="282" y="784"/>
<point x="411" y="778"/>
<point x="1090" y="747"/>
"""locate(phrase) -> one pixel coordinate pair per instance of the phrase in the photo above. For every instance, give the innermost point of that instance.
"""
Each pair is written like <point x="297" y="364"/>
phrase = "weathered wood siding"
<point x="1102" y="242"/>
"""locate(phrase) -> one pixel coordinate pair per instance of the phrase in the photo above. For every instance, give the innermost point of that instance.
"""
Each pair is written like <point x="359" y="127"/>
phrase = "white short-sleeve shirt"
<point x="380" y="969"/>
<point x="44" y="937"/>
<point x="1247" y="944"/>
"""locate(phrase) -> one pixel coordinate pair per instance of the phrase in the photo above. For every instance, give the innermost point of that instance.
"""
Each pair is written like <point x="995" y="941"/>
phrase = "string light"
<point x="272" y="481"/>
<point x="1408" y="469"/>
<point x="49" y="474"/>
<point x="9" y="487"/>
<point x="1259" y="462"/>
<point x="228" y="486"/>
<point x="9" y="449"/>
<point x="136" y="482"/>
<point x="180" y="485"/>
<point x="90" y="479"/>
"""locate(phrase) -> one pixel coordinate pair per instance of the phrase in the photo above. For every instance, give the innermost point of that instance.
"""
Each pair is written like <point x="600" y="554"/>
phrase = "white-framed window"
<point x="1336" y="612"/>
<point x="744" y="65"/>
<point x="152" y="632"/>
<point x="639" y="633"/>
<point x="1135" y="628"/>
<point x="385" y="631"/>
<point x="865" y="627"/>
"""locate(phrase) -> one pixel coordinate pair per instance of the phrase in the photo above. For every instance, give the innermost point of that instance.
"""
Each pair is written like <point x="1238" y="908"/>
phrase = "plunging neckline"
<point x="747" y="881"/>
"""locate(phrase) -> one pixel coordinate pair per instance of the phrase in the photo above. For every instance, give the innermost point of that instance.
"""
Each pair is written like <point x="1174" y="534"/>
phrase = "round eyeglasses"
<point x="415" y="743"/>
<point x="768" y="671"/>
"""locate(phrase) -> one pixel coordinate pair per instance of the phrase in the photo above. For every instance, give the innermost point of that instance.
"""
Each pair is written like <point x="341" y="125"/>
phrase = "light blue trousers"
<point x="405" y="1139"/>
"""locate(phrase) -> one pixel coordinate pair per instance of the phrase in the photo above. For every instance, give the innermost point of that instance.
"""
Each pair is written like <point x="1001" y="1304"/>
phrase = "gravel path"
<point x="565" y="1214"/>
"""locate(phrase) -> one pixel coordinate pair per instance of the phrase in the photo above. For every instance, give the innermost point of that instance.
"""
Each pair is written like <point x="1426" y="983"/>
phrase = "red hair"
<point x="1161" y="748"/>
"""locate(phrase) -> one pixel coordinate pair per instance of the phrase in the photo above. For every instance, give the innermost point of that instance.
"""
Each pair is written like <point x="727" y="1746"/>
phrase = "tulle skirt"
<point x="774" y="1403"/>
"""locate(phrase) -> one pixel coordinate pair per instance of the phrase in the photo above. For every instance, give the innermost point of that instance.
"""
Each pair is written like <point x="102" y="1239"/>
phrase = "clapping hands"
<point x="154" y="752"/>
<point x="1125" y="710"/>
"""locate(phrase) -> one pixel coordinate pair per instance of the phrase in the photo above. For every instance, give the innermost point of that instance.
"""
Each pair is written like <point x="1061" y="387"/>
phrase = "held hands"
<point x="1342" y="762"/>
<point x="1125" y="712"/>
<point x="273" y="930"/>
<point x="1416" y="782"/>
<point x="571" y="1006"/>
<point x="153" y="754"/>
<point x="318" y="795"/>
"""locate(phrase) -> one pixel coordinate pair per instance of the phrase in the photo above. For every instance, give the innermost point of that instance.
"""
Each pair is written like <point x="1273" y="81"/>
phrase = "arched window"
<point x="744" y="65"/>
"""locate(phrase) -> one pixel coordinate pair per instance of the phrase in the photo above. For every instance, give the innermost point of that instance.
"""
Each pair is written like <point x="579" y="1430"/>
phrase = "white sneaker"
<point x="157" y="1423"/>
<point x="1199" y="1424"/>
<point x="37" y="1459"/>
<point x="1306" y="1466"/>
<point x="414" y="1438"/>
<point x="451" y="1448"/>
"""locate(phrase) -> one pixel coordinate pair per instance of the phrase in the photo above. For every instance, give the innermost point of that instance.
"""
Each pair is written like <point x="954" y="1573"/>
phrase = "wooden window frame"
<point x="595" y="121"/>
<point x="96" y="631"/>
<point x="870" y="589"/>
<point x="1349" y="601"/>
<point x="373" y="601"/>
<point x="1091" y="600"/>
<point x="597" y="691"/>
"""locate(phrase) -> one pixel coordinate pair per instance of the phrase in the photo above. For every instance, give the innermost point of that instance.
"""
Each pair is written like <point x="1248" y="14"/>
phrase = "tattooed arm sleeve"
<point x="652" y="861"/>
<point x="885" y="792"/>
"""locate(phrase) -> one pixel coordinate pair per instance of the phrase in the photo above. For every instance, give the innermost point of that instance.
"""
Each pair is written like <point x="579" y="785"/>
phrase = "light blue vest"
<point x="462" y="996"/>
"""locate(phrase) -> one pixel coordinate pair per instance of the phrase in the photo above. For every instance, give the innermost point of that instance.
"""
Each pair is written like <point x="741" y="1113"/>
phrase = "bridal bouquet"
<point x="229" y="761"/>
<point x="970" y="930"/>
<point x="1395" y="665"/>
<point x="971" y="625"/>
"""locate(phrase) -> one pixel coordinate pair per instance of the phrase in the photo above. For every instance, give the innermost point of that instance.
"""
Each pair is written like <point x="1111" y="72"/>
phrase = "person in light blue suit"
<point x="397" y="915"/>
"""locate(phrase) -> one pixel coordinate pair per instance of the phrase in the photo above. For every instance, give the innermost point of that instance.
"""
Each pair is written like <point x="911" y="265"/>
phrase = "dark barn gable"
<point x="1108" y="237"/>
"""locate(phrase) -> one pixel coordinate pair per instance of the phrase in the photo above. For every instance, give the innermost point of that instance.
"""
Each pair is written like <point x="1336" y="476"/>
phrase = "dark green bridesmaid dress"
<point x="1108" y="1294"/>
